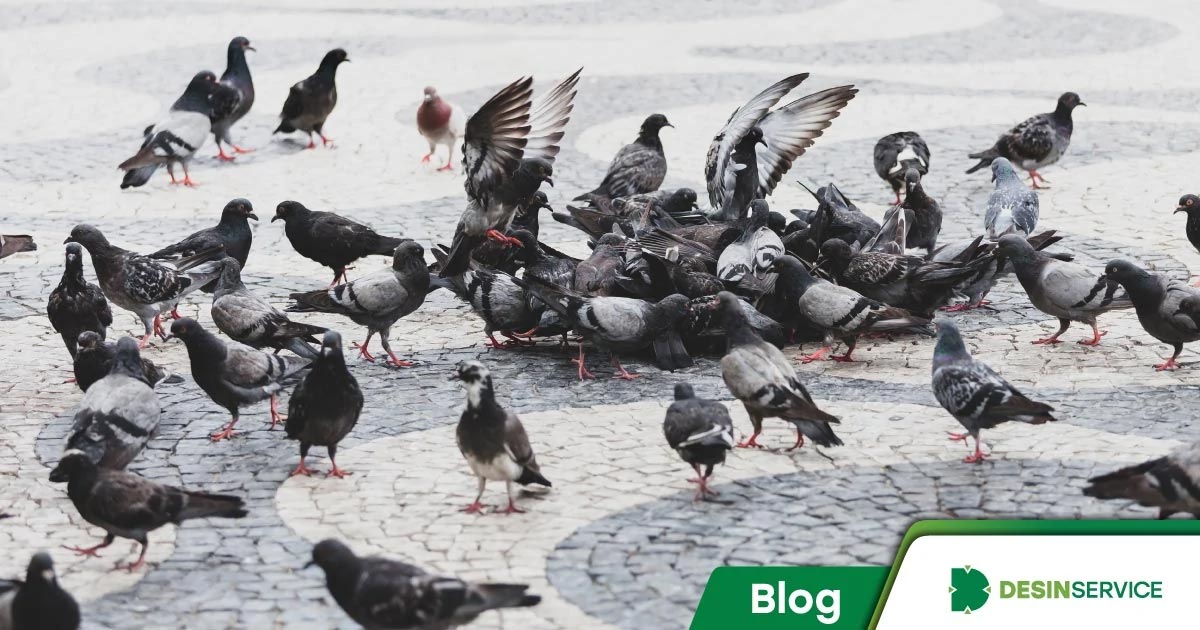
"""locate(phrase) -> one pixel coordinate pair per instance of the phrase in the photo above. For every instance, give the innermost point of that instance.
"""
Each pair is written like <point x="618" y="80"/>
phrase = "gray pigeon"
<point x="496" y="298"/>
<point x="126" y="505"/>
<point x="1171" y="483"/>
<point x="176" y="138"/>
<point x="755" y="249"/>
<point x="325" y="405"/>
<point x="639" y="167"/>
<point x="251" y="320"/>
<point x="492" y="439"/>
<point x="974" y="393"/>
<point x="701" y="432"/>
<point x="376" y="300"/>
<point x="1011" y="208"/>
<point x="758" y="374"/>
<point x="838" y="312"/>
<point x="1066" y="290"/>
<point x="95" y="357"/>
<point x="384" y="594"/>
<point x="970" y="251"/>
<point x="38" y="603"/>
<point x="1168" y="309"/>
<point x="234" y="374"/>
<point x="117" y="414"/>
<point x="1037" y="142"/>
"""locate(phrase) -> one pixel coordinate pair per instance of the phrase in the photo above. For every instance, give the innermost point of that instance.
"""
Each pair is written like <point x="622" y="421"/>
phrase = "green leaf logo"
<point x="969" y="589"/>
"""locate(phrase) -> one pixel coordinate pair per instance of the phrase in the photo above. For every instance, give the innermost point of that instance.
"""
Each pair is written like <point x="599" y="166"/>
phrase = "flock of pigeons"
<point x="665" y="275"/>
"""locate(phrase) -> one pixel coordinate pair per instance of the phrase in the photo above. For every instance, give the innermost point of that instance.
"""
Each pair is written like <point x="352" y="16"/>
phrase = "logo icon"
<point x="969" y="589"/>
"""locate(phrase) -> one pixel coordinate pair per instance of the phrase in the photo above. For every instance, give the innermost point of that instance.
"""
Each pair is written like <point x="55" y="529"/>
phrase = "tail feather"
<point x="985" y="159"/>
<point x="298" y="347"/>
<point x="505" y="596"/>
<point x="138" y="176"/>
<point x="204" y="505"/>
<point x="1021" y="408"/>
<point x="387" y="245"/>
<point x="530" y="474"/>
<point x="459" y="257"/>
<point x="313" y="301"/>
<point x="820" y="433"/>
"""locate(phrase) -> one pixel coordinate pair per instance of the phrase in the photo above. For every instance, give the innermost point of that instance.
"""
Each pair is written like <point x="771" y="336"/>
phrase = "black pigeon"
<point x="758" y="374"/>
<point x="234" y="374"/>
<point x="310" y="101"/>
<point x="738" y="171"/>
<point x="509" y="150"/>
<point x="620" y="324"/>
<point x="247" y="318"/>
<point x="908" y="282"/>
<point x="95" y="358"/>
<point x="838" y="312"/>
<point x="500" y="255"/>
<point x="126" y="505"/>
<point x="237" y="77"/>
<point x="16" y="243"/>
<point x="176" y="138"/>
<point x="974" y="393"/>
<point x="232" y="234"/>
<point x="639" y="167"/>
<point x="550" y="268"/>
<point x="1171" y="483"/>
<point x="76" y="305"/>
<point x="1190" y="205"/>
<point x="325" y="405"/>
<point x="700" y="431"/>
<point x="388" y="594"/>
<point x="898" y="152"/>
<point x="922" y="214"/>
<point x="1167" y="308"/>
<point x="492" y="439"/>
<point x="332" y="240"/>
<point x="1066" y="290"/>
<point x="376" y="300"/>
<point x="835" y="217"/>
<point x="141" y="285"/>
<point x="38" y="603"/>
<point x="118" y="414"/>
<point x="1037" y="142"/>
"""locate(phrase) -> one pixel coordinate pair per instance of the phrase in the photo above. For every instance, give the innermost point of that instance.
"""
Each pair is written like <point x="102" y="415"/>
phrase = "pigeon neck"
<point x="232" y="219"/>
<point x="328" y="69"/>
<point x="342" y="578"/>
<point x="203" y="346"/>
<point x="915" y="198"/>
<point x="648" y="137"/>
<point x="434" y="114"/>
<point x="480" y="395"/>
<point x="737" y="329"/>
<point x="79" y="486"/>
<point x="73" y="274"/>
<point x="235" y="64"/>
<point x="949" y="349"/>
<point x="128" y="365"/>
<point x="193" y="100"/>
<point x="1062" y="115"/>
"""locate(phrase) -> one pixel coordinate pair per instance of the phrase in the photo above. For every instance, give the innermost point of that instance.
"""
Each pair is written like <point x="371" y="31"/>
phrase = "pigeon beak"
<point x="310" y="564"/>
<point x="548" y="181"/>
<point x="249" y="47"/>
<point x="251" y="215"/>
<point x="275" y="218"/>
<point x="454" y="376"/>
<point x="669" y="125"/>
<point x="169" y="337"/>
<point x="58" y="475"/>
<point x="1178" y="210"/>
<point x="762" y="142"/>
<point x="1082" y="104"/>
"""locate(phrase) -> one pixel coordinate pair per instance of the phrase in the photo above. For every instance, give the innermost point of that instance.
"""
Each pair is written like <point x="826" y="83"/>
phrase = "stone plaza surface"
<point x="618" y="542"/>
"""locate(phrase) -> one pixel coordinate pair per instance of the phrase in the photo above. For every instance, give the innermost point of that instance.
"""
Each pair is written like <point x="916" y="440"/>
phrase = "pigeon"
<point x="898" y="152"/>
<point x="1036" y="143"/>
<point x="501" y="255"/>
<point x="836" y="311"/>
<point x="176" y="138"/>
<point x="1011" y="208"/>
<point x="639" y="167"/>
<point x="908" y="282"/>
<point x="16" y="243"/>
<point x="376" y="300"/>
<point x="388" y="594"/>
<point x="597" y="274"/>
<point x="95" y="358"/>
<point x="836" y="217"/>
<point x="325" y="405"/>
<point x="620" y="324"/>
<point x="492" y="439"/>
<point x="1190" y="205"/>
<point x="922" y="213"/>
<point x="145" y="287"/>
<point x="1066" y="290"/>
<point x="737" y="171"/>
<point x="976" y="288"/>
<point x="329" y="239"/>
<point x="700" y="431"/>
<point x="234" y="374"/>
<point x="77" y="305"/>
<point x="527" y="216"/>
<point x="754" y="250"/>
<point x="558" y="270"/>
<point x="118" y="414"/>
<point x="704" y="322"/>
<point x="974" y="393"/>
<point x="440" y="122"/>
<point x="1171" y="483"/>
<point x="236" y="76"/>
<point x="497" y="299"/>
<point x="126" y="505"/>
<point x="758" y="374"/>
<point x="508" y="152"/>
<point x="38" y="603"/>
<point x="1167" y="308"/>
<point x="232" y="233"/>
<point x="310" y="101"/>
<point x="251" y="320"/>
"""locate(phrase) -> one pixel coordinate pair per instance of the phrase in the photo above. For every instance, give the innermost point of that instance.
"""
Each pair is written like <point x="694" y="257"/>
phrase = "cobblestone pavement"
<point x="617" y="542"/>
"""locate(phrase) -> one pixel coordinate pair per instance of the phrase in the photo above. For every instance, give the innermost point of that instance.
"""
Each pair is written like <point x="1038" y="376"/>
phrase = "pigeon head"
<point x="73" y="465"/>
<point x="1015" y="246"/>
<point x="912" y="179"/>
<point x="231" y="276"/>
<point x="1125" y="273"/>
<point x="838" y="253"/>
<point x="430" y="94"/>
<point x="409" y="256"/>
<point x="535" y="171"/>
<point x="186" y="329"/>
<point x="737" y="327"/>
<point x="74" y="258"/>
<point x="87" y="236"/>
<point x="752" y="137"/>
<point x="331" y="346"/>
<point x="202" y="83"/>
<point x="675" y="305"/>
<point x="332" y="60"/>
<point x="1067" y="102"/>
<point x="341" y="567"/>
<point x="684" y="391"/>
<point x="476" y="379"/>
<point x="239" y="208"/>
<point x="128" y="361"/>
<point x="289" y="210"/>
<point x="1189" y="204"/>
<point x="950" y="347"/>
<point x="777" y="222"/>
<point x="794" y="275"/>
<point x="88" y="340"/>
<point x="680" y="201"/>
<point x="610" y="239"/>
<point x="538" y="201"/>
<point x="239" y="44"/>
<point x="760" y="212"/>
<point x="652" y="125"/>
<point x="529" y="245"/>
<point x="1003" y="172"/>
<point x="41" y="570"/>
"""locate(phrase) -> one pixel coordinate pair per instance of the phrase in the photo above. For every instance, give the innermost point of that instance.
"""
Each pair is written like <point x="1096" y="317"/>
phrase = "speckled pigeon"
<point x="639" y="167"/>
<point x="1167" y="308"/>
<point x="754" y="250"/>
<point x="1037" y="142"/>
<point x="701" y="432"/>
<point x="974" y="393"/>
<point x="496" y="298"/>
<point x="1011" y="208"/>
<point x="1170" y="483"/>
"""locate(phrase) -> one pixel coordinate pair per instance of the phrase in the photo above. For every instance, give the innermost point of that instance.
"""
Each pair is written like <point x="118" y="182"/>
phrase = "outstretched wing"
<point x="791" y="129"/>
<point x="548" y="120"/>
<point x="496" y="138"/>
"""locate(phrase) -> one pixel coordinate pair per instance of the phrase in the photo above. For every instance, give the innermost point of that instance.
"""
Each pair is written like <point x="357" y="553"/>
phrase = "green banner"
<point x="789" y="597"/>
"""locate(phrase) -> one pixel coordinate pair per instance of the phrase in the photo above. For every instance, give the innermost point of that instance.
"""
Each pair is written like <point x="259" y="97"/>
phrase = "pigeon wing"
<point x="548" y="119"/>
<point x="791" y="129"/>
<point x="495" y="139"/>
